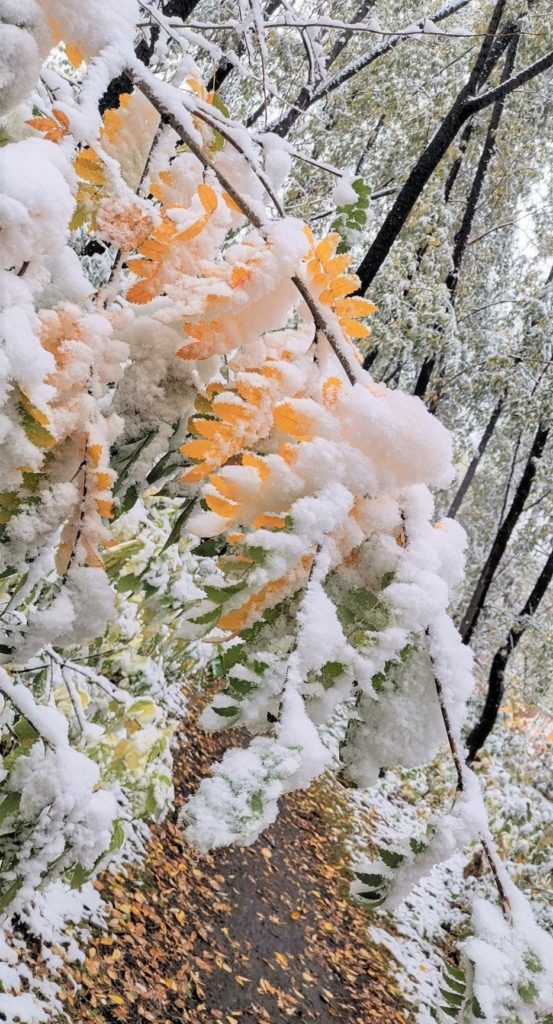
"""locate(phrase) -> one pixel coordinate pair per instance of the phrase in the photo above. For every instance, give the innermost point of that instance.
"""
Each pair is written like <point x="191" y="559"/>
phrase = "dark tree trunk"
<point x="488" y="149"/>
<point x="502" y="537"/>
<point x="475" y="461"/>
<point x="496" y="683"/>
<point x="424" y="376"/>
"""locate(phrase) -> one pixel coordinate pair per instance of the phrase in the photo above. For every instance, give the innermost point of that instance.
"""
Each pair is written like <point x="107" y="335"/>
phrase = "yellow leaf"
<point x="89" y="166"/>
<point x="281" y="959"/>
<point x="309" y="234"/>
<point x="354" y="329"/>
<point x="208" y="198"/>
<point x="337" y="264"/>
<point x="37" y="414"/>
<point x="344" y="285"/>
<point x="355" y="306"/>
<point x="326" y="247"/>
<point x="290" y="421"/>
<point x="61" y="117"/>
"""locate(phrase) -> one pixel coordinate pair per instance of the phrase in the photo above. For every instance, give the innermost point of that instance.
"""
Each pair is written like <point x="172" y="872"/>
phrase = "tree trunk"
<point x="463" y="234"/>
<point x="502" y="537"/>
<point x="475" y="461"/>
<point x="496" y="683"/>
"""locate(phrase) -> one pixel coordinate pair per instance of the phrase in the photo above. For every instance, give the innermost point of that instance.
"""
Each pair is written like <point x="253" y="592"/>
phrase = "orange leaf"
<point x="141" y="292"/>
<point x="198" y="449"/>
<point x="94" y="452"/>
<point x="354" y="329"/>
<point x="208" y="198"/>
<point x="228" y="488"/>
<point x="74" y="54"/>
<point x="213" y="429"/>
<point x="103" y="481"/>
<point x="142" y="268"/>
<point x="220" y="506"/>
<point x="104" y="506"/>
<point x="192" y="230"/>
<point x="41" y="124"/>
<point x="152" y="250"/>
<point x="195" y="473"/>
<point x="231" y="412"/>
<point x="61" y="117"/>
<point x="239" y="276"/>
<point x="267" y="521"/>
<point x="331" y="391"/>
<point x="231" y="203"/>
<point x="257" y="463"/>
<point x="249" y="392"/>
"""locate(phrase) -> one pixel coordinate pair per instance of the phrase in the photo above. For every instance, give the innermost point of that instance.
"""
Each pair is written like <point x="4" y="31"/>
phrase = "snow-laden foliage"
<point x="197" y="471"/>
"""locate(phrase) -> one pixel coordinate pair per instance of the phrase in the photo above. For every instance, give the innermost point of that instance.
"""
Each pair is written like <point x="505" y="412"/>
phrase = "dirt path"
<point x="263" y="934"/>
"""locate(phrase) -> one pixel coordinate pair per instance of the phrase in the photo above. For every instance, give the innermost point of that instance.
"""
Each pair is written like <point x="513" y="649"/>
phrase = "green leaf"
<point x="117" y="836"/>
<point x="391" y="858"/>
<point x="10" y="893"/>
<point x="80" y="216"/>
<point x="128" y="584"/>
<point x="240" y="687"/>
<point x="180" y="521"/>
<point x="533" y="962"/>
<point x="25" y="732"/>
<point x="229" y="711"/>
<point x="210" y="548"/>
<point x="456" y="972"/>
<point x="221" y="594"/>
<point x="257" y="802"/>
<point x="9" y="805"/>
<point x="330" y="672"/>
<point x="418" y="845"/>
<point x="219" y="105"/>
<point x="453" y="998"/>
<point x="79" y="875"/>
<point x="387" y="578"/>
<point x="208" y="618"/>
<point x="374" y="899"/>
<point x="257" y="554"/>
<point x="528" y="992"/>
<point x="375" y="881"/>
